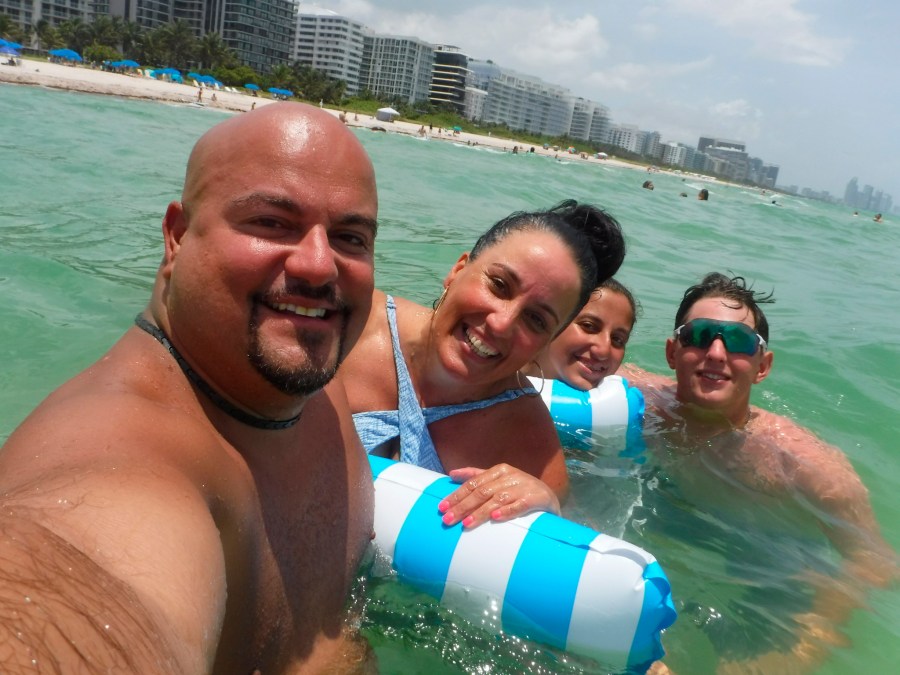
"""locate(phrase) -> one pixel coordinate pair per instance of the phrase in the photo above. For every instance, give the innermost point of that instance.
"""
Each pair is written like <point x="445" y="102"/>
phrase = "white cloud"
<point x="776" y="29"/>
<point x="738" y="118"/>
<point x="737" y="108"/>
<point x="637" y="76"/>
<point x="646" y="30"/>
<point x="514" y="37"/>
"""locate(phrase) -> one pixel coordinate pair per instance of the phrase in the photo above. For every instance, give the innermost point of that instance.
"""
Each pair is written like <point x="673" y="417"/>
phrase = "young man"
<point x="197" y="500"/>
<point x="719" y="350"/>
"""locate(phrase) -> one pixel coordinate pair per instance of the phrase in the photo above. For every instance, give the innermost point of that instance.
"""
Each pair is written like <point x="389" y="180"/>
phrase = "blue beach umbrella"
<point x="9" y="51"/>
<point x="173" y="73"/>
<point x="128" y="63"/>
<point x="250" y="85"/>
<point x="208" y="79"/>
<point x="14" y="45"/>
<point x="67" y="54"/>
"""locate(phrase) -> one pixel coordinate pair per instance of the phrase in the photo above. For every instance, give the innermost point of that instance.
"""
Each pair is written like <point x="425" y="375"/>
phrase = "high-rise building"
<point x="27" y="13"/>
<point x="851" y="194"/>
<point x="523" y="102"/>
<point x="706" y="142"/>
<point x="260" y="32"/>
<point x="449" y="78"/>
<point x="600" y="124"/>
<point x="395" y="66"/>
<point x="769" y="176"/>
<point x="652" y="145"/>
<point x="582" y="117"/>
<point x="626" y="136"/>
<point x="330" y="43"/>
<point x="864" y="198"/>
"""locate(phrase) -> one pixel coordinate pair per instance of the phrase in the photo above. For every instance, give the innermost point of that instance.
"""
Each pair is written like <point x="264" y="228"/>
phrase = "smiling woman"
<point x="441" y="388"/>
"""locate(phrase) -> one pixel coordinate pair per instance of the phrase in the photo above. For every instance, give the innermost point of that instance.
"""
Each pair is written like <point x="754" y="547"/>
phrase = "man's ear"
<point x="670" y="352"/>
<point x="174" y="225"/>
<point x="457" y="266"/>
<point x="765" y="367"/>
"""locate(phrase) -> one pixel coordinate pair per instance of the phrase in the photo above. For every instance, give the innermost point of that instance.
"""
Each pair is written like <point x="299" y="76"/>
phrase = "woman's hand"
<point x="500" y="493"/>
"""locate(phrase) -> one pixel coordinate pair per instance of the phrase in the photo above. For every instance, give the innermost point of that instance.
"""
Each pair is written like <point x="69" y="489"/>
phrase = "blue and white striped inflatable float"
<point x="539" y="576"/>
<point x="612" y="408"/>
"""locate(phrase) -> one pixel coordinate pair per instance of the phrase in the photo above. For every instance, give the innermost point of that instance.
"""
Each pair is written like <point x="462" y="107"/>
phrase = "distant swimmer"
<point x="648" y="185"/>
<point x="877" y="218"/>
<point x="703" y="195"/>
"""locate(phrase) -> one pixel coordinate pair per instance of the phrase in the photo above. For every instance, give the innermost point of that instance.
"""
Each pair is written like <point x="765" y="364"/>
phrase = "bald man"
<point x="197" y="500"/>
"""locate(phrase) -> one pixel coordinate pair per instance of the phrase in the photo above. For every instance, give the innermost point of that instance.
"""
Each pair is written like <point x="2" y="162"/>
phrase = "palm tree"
<point x="212" y="52"/>
<point x="132" y="37"/>
<point x="282" y="76"/>
<point x="6" y="26"/>
<point x="152" y="48"/>
<point x="180" y="42"/>
<point x="46" y="36"/>
<point x="75" y="33"/>
<point x="105" y="30"/>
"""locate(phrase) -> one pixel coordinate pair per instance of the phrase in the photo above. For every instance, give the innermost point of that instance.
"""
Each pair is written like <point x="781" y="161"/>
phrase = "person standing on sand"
<point x="197" y="501"/>
<point x="200" y="95"/>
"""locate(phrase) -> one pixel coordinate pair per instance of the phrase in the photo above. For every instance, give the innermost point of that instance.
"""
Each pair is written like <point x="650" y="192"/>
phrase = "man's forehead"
<point x="721" y="309"/>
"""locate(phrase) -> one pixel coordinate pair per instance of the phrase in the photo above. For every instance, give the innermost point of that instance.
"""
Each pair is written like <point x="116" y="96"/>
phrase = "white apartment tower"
<point x="332" y="44"/>
<point x="626" y="136"/>
<point x="523" y="101"/>
<point x="395" y="66"/>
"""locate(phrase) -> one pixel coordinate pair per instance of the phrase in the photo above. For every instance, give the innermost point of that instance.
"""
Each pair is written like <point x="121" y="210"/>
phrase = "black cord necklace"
<point x="202" y="385"/>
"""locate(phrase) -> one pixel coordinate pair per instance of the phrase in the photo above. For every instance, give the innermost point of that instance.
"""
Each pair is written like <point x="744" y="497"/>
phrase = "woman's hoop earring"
<point x="543" y="381"/>
<point x="440" y="300"/>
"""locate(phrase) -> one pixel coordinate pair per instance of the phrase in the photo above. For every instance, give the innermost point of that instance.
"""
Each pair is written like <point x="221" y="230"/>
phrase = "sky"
<point x="809" y="85"/>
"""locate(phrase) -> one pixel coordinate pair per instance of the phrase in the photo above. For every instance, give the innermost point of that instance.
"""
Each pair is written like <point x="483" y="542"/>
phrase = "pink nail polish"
<point x="448" y="518"/>
<point x="443" y="506"/>
<point x="468" y="521"/>
<point x="495" y="514"/>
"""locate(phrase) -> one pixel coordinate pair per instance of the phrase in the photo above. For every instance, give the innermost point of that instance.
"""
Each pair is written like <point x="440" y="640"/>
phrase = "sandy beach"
<point x="84" y="79"/>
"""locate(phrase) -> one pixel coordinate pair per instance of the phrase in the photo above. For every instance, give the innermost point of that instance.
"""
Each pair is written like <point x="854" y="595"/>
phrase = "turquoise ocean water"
<point x="84" y="184"/>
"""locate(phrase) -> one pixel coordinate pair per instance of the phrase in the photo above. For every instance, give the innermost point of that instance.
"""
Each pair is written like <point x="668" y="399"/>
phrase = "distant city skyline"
<point x="408" y="69"/>
<point x="803" y="84"/>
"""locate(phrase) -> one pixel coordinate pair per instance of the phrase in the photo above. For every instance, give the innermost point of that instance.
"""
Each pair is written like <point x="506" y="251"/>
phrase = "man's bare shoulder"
<point x="818" y="469"/>
<point x="111" y="478"/>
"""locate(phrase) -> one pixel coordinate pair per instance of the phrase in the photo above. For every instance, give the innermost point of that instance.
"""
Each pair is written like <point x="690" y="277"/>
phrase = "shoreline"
<point x="87" y="80"/>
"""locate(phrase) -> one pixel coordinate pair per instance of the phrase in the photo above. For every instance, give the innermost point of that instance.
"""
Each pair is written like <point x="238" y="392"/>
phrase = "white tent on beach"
<point x="386" y="114"/>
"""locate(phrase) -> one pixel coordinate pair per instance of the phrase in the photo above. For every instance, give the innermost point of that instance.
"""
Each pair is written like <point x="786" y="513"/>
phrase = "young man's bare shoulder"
<point x="816" y="467"/>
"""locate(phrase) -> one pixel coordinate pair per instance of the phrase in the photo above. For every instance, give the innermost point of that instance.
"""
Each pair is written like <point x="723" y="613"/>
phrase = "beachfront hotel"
<point x="590" y="121"/>
<point x="330" y="43"/>
<point x="29" y="12"/>
<point x="449" y="78"/>
<point x="397" y="66"/>
<point x="260" y="32"/>
<point x="523" y="102"/>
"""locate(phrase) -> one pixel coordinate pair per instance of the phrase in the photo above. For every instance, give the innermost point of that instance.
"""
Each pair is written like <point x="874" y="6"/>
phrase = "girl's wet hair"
<point x="592" y="235"/>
